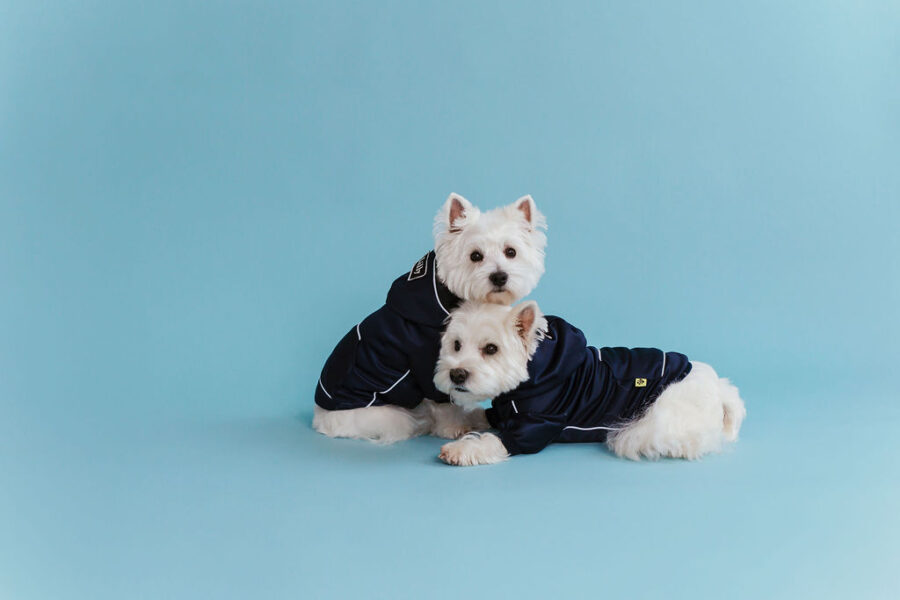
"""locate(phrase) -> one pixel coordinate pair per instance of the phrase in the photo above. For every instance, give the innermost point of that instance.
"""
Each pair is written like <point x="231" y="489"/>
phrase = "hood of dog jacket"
<point x="389" y="357"/>
<point x="578" y="393"/>
<point x="420" y="297"/>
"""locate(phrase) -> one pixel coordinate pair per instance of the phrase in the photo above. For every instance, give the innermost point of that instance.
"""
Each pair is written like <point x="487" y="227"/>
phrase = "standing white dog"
<point x="547" y="385"/>
<point x="378" y="382"/>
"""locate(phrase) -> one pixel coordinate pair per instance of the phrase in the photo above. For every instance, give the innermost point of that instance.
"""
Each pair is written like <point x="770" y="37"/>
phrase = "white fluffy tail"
<point x="733" y="408"/>
<point x="691" y="418"/>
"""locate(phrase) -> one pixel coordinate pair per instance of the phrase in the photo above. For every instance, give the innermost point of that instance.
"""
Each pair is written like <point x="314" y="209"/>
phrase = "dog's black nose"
<point x="498" y="278"/>
<point x="458" y="376"/>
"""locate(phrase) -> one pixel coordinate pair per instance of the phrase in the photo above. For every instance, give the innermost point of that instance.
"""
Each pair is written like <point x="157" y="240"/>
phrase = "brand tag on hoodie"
<point x="419" y="270"/>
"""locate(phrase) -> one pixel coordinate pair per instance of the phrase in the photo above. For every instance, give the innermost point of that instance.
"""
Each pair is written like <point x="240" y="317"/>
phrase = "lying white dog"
<point x="378" y="382"/>
<point x="547" y="385"/>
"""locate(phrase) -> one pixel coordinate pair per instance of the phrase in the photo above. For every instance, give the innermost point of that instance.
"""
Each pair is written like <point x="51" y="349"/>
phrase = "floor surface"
<point x="262" y="506"/>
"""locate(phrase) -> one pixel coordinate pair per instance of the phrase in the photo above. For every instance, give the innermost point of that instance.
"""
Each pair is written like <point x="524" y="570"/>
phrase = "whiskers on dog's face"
<point x="485" y="350"/>
<point x="496" y="256"/>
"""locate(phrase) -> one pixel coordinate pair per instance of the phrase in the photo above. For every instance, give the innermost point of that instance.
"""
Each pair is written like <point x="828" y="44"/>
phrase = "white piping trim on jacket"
<point x="393" y="385"/>
<point x="323" y="388"/>
<point x="663" y="372"/>
<point x="590" y="428"/>
<point x="434" y="283"/>
<point x="358" y="334"/>
<point x="515" y="408"/>
<point x="402" y="377"/>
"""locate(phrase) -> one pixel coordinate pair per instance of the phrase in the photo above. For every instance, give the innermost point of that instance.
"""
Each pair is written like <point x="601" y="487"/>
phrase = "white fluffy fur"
<point x="475" y="325"/>
<point x="474" y="449"/>
<point x="520" y="226"/>
<point x="689" y="419"/>
<point x="389" y="424"/>
<point x="692" y="417"/>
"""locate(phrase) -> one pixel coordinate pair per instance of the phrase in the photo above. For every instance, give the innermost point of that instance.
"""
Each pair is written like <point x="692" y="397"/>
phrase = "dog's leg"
<point x="380" y="424"/>
<point x="474" y="449"/>
<point x="690" y="418"/>
<point x="451" y="421"/>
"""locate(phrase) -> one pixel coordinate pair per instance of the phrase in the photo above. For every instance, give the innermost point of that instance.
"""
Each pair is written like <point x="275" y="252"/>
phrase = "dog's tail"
<point x="733" y="408"/>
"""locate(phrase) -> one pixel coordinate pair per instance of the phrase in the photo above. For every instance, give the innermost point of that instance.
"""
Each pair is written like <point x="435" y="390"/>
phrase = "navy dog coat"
<point x="389" y="357"/>
<point x="577" y="393"/>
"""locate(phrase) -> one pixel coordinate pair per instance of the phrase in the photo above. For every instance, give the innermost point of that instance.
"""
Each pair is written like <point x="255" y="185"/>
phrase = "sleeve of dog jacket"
<point x="529" y="433"/>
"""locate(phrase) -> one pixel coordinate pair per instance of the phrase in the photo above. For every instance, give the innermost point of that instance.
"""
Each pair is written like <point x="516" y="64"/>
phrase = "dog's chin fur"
<point x="475" y="325"/>
<point x="518" y="226"/>
<point x="466" y="400"/>
<point x="506" y="297"/>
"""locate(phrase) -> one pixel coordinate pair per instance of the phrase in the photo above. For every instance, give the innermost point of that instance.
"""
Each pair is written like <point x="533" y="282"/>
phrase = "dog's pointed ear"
<point x="529" y="211"/>
<point x="526" y="319"/>
<point x="456" y="211"/>
<point x="526" y="206"/>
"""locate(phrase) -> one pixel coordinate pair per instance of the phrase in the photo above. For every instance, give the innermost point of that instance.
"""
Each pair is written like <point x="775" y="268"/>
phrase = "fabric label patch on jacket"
<point x="419" y="270"/>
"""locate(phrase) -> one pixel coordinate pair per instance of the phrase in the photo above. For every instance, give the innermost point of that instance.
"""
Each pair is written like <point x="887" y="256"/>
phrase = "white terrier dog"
<point x="547" y="385"/>
<point x="378" y="382"/>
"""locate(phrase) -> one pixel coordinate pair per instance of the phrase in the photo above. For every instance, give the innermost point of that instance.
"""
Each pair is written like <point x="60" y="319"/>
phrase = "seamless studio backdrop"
<point x="197" y="200"/>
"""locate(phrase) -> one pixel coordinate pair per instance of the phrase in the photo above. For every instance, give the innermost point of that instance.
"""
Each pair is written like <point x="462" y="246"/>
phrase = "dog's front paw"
<point x="474" y="449"/>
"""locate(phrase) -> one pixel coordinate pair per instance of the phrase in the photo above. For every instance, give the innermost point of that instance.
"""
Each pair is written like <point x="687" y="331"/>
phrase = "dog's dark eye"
<point x="490" y="349"/>
<point x="476" y="256"/>
<point x="510" y="252"/>
<point x="457" y="346"/>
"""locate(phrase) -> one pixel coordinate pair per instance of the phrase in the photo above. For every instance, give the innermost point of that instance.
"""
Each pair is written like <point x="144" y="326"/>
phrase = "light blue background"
<point x="198" y="199"/>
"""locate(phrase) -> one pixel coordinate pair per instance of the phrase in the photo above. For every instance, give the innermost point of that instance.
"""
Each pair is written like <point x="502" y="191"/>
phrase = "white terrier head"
<point x="485" y="350"/>
<point x="497" y="256"/>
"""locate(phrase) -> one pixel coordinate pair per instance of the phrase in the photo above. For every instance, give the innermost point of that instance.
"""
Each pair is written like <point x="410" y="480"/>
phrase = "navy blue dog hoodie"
<point x="578" y="393"/>
<point x="389" y="357"/>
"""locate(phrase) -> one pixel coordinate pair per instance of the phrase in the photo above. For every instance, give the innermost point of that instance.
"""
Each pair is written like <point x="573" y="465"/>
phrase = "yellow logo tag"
<point x="640" y="382"/>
